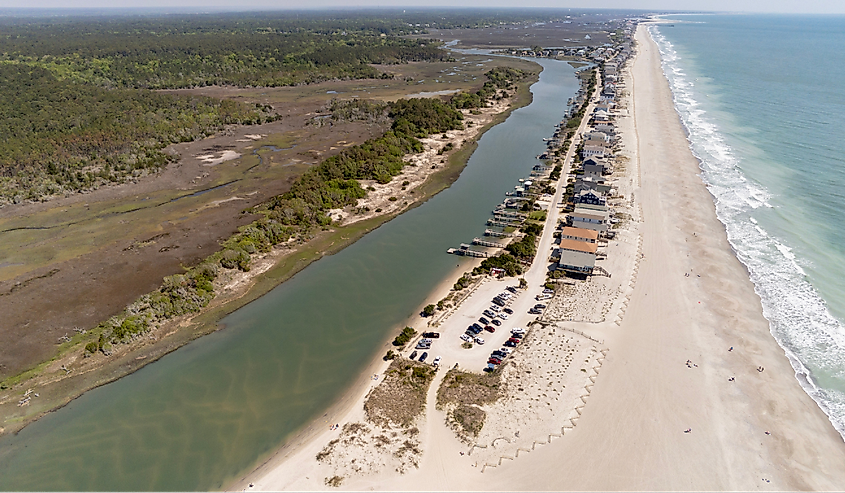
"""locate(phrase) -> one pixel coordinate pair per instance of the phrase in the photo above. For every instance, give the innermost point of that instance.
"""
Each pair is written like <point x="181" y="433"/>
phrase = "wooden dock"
<point x="485" y="243"/>
<point x="467" y="252"/>
<point x="503" y="224"/>
<point x="498" y="234"/>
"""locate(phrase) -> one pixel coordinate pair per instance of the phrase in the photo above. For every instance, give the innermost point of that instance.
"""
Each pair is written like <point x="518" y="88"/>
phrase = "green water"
<point x="210" y="411"/>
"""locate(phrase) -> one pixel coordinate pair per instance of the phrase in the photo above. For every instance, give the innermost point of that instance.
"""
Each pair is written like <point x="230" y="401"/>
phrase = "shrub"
<point x="407" y="334"/>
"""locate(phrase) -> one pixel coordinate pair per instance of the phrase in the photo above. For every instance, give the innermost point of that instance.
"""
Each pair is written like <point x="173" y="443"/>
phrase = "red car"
<point x="495" y="361"/>
<point x="514" y="340"/>
<point x="490" y="328"/>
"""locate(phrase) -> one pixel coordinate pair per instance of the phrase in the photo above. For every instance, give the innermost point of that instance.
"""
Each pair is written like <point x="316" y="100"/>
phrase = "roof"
<point x="589" y="214"/>
<point x="578" y="260"/>
<point x="578" y="246"/>
<point x="580" y="233"/>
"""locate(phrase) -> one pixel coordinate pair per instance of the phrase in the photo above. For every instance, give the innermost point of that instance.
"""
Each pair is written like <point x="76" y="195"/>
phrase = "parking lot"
<point x="449" y="345"/>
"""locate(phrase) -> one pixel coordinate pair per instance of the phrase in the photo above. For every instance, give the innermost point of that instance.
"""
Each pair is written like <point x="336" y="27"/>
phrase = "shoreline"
<point x="249" y="287"/>
<point x="730" y="418"/>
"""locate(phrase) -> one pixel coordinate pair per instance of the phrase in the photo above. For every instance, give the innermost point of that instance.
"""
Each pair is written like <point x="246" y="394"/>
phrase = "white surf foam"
<point x="798" y="317"/>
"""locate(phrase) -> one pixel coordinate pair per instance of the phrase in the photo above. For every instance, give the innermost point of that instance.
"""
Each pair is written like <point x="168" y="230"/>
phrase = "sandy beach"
<point x="663" y="377"/>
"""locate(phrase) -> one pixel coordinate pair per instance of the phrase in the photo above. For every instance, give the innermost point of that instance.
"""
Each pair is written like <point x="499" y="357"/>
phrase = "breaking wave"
<point x="813" y="340"/>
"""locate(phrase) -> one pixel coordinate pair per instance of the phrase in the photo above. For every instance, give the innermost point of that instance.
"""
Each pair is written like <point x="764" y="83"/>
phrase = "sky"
<point x="774" y="6"/>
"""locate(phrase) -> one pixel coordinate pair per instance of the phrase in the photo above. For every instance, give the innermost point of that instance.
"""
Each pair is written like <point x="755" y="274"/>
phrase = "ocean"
<point x="762" y="100"/>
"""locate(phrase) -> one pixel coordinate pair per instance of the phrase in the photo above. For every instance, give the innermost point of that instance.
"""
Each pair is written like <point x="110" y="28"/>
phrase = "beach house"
<point x="589" y="219"/>
<point x="588" y="197"/>
<point x="579" y="234"/>
<point x="576" y="262"/>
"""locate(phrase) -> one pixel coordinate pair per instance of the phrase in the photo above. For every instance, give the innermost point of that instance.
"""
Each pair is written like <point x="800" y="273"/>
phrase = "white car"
<point x="505" y="350"/>
<point x="466" y="338"/>
<point x="496" y="308"/>
<point x="436" y="361"/>
<point x="503" y="316"/>
<point x="479" y="340"/>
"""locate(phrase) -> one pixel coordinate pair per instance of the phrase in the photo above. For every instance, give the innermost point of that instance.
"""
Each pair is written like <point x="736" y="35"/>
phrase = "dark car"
<point x="497" y="322"/>
<point x="511" y="289"/>
<point x="476" y="326"/>
<point x="413" y="355"/>
<point x="499" y="301"/>
<point x="517" y="335"/>
<point x="495" y="361"/>
<point x="509" y="344"/>
<point x="484" y="320"/>
<point x="499" y="354"/>
<point x="423" y="357"/>
<point x="539" y="306"/>
<point x="508" y="311"/>
<point x="488" y="313"/>
<point x="490" y="329"/>
<point x="534" y="311"/>
<point x="431" y="335"/>
<point x="490" y="367"/>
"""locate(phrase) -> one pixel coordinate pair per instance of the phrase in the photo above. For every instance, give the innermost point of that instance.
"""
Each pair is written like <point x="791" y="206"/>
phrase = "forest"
<point x="78" y="109"/>
<point x="59" y="136"/>
<point x="195" y="51"/>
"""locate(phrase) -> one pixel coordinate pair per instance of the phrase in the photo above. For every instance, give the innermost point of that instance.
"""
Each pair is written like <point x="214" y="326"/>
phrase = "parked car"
<point x="503" y="316"/>
<point x="548" y="291"/>
<point x="423" y="345"/>
<point x="436" y="361"/>
<point x="495" y="361"/>
<point x="414" y="355"/>
<point x="489" y="328"/>
<point x="466" y="338"/>
<point x="484" y="321"/>
<point x="499" y="301"/>
<point x="505" y="350"/>
<point x="514" y="340"/>
<point x="479" y="341"/>
<point x="497" y="322"/>
<point x="540" y="306"/>
<point x="499" y="354"/>
<point x="495" y="309"/>
<point x="488" y="313"/>
<point x="508" y="311"/>
<point x="509" y="344"/>
<point x="534" y="311"/>
<point x="423" y="357"/>
<point x="432" y="335"/>
<point x="490" y="367"/>
<point x="512" y="289"/>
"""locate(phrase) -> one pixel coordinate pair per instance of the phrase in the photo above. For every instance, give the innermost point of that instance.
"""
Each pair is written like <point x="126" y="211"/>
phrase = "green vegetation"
<point x="498" y="78"/>
<point x="535" y="229"/>
<point x="525" y="248"/>
<point x="190" y="51"/>
<point x="58" y="136"/>
<point x="407" y="334"/>
<point x="504" y="261"/>
<point x="428" y="310"/>
<point x="463" y="282"/>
